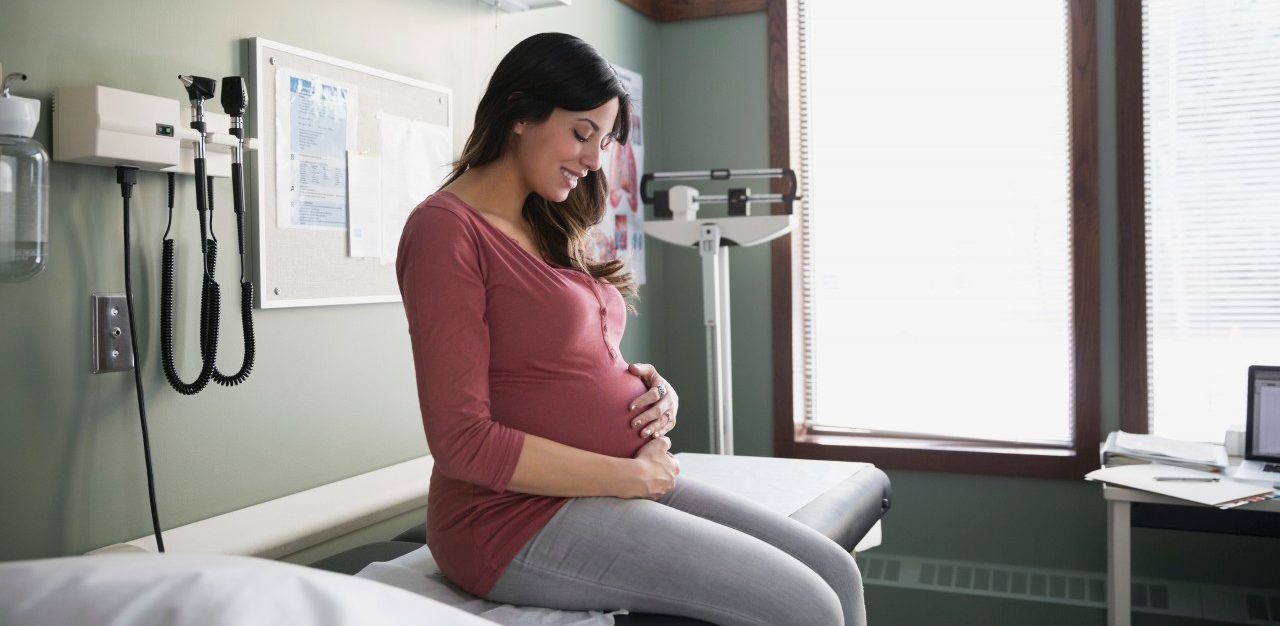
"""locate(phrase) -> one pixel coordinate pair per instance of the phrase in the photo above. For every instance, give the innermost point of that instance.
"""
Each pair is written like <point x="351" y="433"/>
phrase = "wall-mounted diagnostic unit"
<point x="98" y="125"/>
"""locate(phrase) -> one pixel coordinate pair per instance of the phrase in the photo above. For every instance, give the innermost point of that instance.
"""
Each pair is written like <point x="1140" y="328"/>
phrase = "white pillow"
<point x="203" y="590"/>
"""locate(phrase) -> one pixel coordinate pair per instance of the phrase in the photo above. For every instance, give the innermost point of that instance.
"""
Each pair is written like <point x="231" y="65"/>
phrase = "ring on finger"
<point x="662" y="390"/>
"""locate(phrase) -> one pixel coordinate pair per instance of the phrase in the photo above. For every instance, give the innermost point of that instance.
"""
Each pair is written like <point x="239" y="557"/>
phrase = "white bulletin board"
<point x="318" y="244"/>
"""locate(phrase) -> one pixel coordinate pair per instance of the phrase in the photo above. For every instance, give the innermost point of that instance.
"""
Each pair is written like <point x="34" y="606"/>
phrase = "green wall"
<point x="714" y="106"/>
<point x="332" y="394"/>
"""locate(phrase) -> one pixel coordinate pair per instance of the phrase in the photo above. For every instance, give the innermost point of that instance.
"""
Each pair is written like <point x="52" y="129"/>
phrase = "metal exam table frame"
<point x="844" y="501"/>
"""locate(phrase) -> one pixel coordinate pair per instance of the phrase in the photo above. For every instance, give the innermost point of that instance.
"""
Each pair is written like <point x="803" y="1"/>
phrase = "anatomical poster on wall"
<point x="315" y="125"/>
<point x="621" y="234"/>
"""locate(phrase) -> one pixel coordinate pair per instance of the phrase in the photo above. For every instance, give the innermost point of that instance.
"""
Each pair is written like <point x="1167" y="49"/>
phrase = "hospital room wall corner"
<point x="332" y="392"/>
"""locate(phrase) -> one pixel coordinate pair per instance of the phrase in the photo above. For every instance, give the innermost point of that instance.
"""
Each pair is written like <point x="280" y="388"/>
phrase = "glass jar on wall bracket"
<point x="24" y="188"/>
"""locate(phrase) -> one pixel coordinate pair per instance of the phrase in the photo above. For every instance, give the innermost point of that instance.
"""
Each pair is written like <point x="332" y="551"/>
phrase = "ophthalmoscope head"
<point x="235" y="98"/>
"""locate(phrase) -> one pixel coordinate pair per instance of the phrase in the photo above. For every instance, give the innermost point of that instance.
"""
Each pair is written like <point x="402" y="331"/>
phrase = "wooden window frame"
<point x="789" y="435"/>
<point x="1131" y="219"/>
<point x="678" y="10"/>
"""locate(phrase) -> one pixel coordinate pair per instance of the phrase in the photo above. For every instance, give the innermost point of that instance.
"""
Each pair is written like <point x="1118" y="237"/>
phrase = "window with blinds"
<point x="936" y="235"/>
<point x="1211" y="109"/>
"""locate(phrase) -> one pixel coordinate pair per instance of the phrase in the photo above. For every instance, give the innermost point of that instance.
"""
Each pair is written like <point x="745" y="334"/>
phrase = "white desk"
<point x="1119" y="574"/>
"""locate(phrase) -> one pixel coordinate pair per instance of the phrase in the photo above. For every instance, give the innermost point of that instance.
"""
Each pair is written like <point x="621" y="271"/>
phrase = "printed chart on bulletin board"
<point x="621" y="234"/>
<point x="345" y="152"/>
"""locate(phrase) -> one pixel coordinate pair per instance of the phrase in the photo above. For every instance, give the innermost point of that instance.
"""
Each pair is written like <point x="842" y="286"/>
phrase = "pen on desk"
<point x="1187" y="479"/>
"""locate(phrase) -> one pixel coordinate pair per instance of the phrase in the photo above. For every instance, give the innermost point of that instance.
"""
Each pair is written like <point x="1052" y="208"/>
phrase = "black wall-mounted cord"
<point x="127" y="177"/>
<point x="210" y="301"/>
<point x="246" y="287"/>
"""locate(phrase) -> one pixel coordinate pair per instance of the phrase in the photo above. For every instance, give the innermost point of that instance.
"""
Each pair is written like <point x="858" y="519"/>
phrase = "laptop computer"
<point x="1262" y="428"/>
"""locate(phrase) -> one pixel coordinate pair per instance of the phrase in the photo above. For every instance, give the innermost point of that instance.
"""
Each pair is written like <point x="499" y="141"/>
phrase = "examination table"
<point x="844" y="501"/>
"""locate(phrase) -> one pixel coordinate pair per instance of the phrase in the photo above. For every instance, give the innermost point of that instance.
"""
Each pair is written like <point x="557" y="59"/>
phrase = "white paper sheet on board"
<point x="315" y="126"/>
<point x="364" y="205"/>
<point x="416" y="156"/>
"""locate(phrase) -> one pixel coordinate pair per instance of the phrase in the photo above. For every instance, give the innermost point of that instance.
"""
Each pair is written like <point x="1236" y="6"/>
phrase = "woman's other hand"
<point x="658" y="469"/>
<point x="662" y="400"/>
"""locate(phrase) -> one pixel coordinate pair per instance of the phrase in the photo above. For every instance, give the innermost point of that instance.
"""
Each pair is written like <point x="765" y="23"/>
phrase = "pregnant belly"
<point x="585" y="412"/>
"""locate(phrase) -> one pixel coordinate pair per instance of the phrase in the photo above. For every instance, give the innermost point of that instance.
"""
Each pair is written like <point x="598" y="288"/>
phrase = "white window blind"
<point x="1211" y="100"/>
<point x="937" y="228"/>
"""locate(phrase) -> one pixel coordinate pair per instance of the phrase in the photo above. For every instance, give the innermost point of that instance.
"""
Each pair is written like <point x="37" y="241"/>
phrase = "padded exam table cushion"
<point x="839" y="499"/>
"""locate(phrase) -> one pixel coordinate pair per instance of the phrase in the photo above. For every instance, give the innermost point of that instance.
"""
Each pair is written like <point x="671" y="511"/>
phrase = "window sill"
<point x="933" y="455"/>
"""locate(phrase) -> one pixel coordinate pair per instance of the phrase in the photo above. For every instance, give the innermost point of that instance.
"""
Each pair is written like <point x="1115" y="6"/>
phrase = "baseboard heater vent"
<point x="1234" y="605"/>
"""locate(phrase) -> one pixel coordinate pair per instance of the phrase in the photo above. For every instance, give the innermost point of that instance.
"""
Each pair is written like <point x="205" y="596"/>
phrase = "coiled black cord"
<point x="127" y="177"/>
<point x="246" y="323"/>
<point x="210" y="300"/>
<point x="210" y="305"/>
<point x="246" y="288"/>
<point x="210" y="293"/>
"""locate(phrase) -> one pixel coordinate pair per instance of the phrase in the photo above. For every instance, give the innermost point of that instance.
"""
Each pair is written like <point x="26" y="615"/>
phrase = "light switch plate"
<point x="112" y="348"/>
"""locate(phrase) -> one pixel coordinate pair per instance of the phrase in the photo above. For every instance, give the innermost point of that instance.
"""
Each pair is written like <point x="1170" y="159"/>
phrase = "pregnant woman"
<point x="553" y="485"/>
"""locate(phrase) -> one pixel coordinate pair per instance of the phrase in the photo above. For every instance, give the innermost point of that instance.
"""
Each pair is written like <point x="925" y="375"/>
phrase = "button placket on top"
<point x="595" y="289"/>
<point x="604" y="314"/>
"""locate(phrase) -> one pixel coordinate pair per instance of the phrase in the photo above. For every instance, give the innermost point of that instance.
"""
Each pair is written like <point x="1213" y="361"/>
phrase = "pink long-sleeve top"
<point x="504" y="344"/>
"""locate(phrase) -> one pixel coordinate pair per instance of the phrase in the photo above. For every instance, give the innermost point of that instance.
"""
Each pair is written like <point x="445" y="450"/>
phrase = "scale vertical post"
<point x="715" y="292"/>
<point x="726" y="360"/>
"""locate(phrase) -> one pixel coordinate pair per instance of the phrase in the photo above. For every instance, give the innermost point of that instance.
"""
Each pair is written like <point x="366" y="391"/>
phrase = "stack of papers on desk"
<point x="1123" y="448"/>
<point x="1178" y="482"/>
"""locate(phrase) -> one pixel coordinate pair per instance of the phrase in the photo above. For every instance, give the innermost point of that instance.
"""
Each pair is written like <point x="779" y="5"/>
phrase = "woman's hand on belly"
<point x="658" y="469"/>
<point x="660" y="418"/>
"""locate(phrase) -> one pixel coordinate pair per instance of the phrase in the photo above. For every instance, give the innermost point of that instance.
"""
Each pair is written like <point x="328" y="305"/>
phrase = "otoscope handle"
<point x="202" y="201"/>
<point x="237" y="199"/>
<point x="202" y="191"/>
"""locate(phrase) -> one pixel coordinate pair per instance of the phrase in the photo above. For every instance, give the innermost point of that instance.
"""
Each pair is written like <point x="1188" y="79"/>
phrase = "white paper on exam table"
<point x="1216" y="489"/>
<point x="417" y="572"/>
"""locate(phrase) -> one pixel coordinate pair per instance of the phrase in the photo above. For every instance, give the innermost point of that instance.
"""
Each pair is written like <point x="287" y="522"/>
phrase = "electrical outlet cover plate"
<point x="112" y="347"/>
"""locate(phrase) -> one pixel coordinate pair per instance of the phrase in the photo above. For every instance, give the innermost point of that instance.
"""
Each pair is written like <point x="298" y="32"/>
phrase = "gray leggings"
<point x="699" y="551"/>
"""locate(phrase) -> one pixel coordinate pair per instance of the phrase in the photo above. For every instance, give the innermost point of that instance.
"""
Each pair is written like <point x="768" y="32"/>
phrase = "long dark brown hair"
<point x="546" y="71"/>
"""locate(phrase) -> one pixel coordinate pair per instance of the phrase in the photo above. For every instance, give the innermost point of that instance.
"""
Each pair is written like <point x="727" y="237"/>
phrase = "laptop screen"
<point x="1263" y="431"/>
